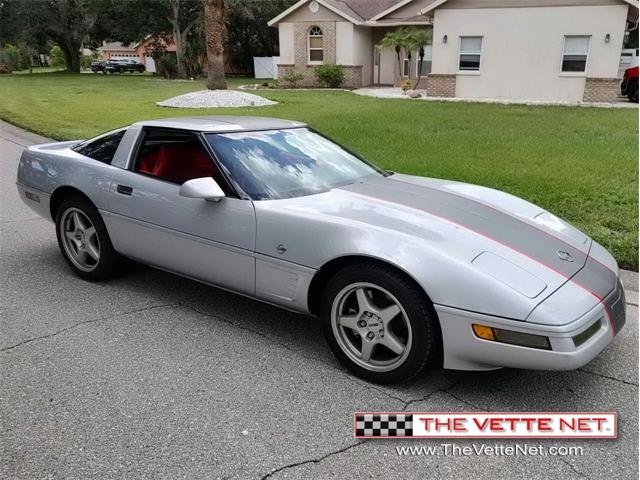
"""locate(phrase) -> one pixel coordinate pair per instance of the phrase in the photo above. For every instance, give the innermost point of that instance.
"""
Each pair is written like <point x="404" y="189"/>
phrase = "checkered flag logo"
<point x="384" y="425"/>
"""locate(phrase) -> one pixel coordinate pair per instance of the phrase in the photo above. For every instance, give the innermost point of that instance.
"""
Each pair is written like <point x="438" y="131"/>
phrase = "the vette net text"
<point x="481" y="425"/>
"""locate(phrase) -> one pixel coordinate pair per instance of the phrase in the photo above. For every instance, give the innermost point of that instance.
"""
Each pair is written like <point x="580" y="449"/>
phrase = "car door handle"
<point x="124" y="190"/>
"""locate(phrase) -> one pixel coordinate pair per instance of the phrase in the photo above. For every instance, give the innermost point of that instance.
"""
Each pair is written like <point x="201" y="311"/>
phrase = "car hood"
<point x="500" y="218"/>
<point x="508" y="254"/>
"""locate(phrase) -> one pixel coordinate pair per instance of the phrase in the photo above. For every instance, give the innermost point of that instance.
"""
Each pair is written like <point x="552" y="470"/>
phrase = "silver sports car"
<point x="403" y="271"/>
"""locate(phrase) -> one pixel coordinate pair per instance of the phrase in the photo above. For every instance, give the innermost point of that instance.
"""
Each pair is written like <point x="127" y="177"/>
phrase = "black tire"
<point x="426" y="337"/>
<point x="121" y="70"/>
<point x="632" y="91"/>
<point x="109" y="262"/>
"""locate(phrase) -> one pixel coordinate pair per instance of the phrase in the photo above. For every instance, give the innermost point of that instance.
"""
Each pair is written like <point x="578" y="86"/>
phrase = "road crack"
<point x="426" y="397"/>
<point x="566" y="462"/>
<point x="313" y="460"/>
<point x="84" y="322"/>
<point x="608" y="377"/>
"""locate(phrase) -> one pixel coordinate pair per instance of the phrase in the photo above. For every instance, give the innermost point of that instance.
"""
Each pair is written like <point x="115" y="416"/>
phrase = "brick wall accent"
<point x="300" y="31"/>
<point x="601" y="90"/>
<point x="441" y="85"/>
<point x="352" y="75"/>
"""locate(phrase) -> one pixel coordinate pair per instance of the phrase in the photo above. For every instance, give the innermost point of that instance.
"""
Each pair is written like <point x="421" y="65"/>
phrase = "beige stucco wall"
<point x="363" y="52"/>
<point x="285" y="32"/>
<point x="522" y="49"/>
<point x="303" y="14"/>
<point x="344" y="43"/>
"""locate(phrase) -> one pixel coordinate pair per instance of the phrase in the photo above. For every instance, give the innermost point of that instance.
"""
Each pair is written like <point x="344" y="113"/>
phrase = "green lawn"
<point x="579" y="163"/>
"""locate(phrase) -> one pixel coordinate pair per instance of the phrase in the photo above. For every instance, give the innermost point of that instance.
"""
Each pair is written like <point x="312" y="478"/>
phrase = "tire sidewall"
<point x="419" y="310"/>
<point x="632" y="91"/>
<point x="108" y="261"/>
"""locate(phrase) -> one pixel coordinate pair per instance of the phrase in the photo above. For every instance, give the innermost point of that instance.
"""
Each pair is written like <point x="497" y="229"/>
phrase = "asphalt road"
<point x="152" y="375"/>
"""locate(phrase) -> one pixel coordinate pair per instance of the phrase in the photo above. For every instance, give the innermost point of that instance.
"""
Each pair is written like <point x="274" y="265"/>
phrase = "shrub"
<point x="167" y="65"/>
<point x="57" y="57"/>
<point x="291" y="77"/>
<point x="330" y="75"/>
<point x="4" y="68"/>
<point x="11" y="58"/>
<point x="85" y="60"/>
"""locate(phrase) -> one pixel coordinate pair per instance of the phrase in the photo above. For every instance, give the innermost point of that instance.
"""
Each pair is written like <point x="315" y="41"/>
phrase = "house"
<point x="540" y="50"/>
<point x="139" y="51"/>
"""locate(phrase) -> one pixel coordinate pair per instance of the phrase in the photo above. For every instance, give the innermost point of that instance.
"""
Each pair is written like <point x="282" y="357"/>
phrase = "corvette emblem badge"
<point x="566" y="256"/>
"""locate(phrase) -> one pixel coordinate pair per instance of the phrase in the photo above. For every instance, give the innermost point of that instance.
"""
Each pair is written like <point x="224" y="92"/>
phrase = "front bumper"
<point x="464" y="351"/>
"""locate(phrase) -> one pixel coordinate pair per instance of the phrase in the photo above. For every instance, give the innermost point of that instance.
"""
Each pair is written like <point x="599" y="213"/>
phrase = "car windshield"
<point x="276" y="164"/>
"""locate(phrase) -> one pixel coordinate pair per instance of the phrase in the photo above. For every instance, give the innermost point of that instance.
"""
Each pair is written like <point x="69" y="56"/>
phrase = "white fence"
<point x="266" y="67"/>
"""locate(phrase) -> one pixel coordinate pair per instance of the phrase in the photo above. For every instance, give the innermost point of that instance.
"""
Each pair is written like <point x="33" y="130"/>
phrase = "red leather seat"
<point x="177" y="163"/>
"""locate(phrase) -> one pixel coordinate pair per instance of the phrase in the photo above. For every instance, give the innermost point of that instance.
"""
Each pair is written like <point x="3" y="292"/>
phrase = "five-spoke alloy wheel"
<point x="84" y="241"/>
<point x="371" y="326"/>
<point x="80" y="239"/>
<point x="379" y="323"/>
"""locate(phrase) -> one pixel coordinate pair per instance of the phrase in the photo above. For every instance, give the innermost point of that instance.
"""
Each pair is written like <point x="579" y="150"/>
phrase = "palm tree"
<point x="214" y="35"/>
<point x="398" y="41"/>
<point x="417" y="38"/>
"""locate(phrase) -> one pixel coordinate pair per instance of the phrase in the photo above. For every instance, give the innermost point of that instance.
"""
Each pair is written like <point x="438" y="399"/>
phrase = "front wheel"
<point x="84" y="241"/>
<point x="379" y="324"/>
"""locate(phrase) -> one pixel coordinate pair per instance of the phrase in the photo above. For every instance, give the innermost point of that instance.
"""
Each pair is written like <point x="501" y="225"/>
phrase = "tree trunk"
<point x="419" y="68"/>
<point x="214" y="34"/>
<point x="180" y="66"/>
<point x="71" y="52"/>
<point x="178" y="39"/>
<point x="399" y="73"/>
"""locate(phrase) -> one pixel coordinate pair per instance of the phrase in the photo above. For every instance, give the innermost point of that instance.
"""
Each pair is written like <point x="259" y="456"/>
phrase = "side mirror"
<point x="205" y="188"/>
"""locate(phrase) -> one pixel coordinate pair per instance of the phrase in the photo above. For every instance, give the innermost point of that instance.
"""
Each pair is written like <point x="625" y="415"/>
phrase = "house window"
<point x="406" y="67"/>
<point x="574" y="53"/>
<point x="316" y="49"/>
<point x="426" y="67"/>
<point x="426" y="61"/>
<point x="470" y="50"/>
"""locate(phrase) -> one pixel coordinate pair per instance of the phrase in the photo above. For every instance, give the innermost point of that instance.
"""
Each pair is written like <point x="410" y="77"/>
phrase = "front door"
<point x="149" y="221"/>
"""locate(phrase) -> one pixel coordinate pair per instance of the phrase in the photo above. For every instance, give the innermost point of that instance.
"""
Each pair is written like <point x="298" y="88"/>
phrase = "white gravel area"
<point x="216" y="98"/>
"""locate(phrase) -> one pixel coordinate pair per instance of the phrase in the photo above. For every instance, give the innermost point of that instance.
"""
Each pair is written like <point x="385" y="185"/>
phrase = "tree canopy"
<point x="71" y="24"/>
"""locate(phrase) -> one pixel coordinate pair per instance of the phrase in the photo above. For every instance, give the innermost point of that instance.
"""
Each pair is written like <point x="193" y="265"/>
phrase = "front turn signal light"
<point x="509" y="336"/>
<point x="483" y="332"/>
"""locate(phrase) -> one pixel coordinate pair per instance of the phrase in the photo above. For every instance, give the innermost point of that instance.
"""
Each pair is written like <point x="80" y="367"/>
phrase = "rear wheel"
<point x="84" y="241"/>
<point x="632" y="91"/>
<point x="379" y="324"/>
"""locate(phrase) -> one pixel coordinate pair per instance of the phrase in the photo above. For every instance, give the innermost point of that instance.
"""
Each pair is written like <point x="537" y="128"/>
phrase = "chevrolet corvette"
<point x="404" y="272"/>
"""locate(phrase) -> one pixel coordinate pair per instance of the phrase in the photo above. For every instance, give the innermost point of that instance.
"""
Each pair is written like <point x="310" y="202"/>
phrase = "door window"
<point x="176" y="157"/>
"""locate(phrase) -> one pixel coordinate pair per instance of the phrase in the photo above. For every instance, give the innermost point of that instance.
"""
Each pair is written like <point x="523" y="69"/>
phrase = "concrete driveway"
<point x="152" y="376"/>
